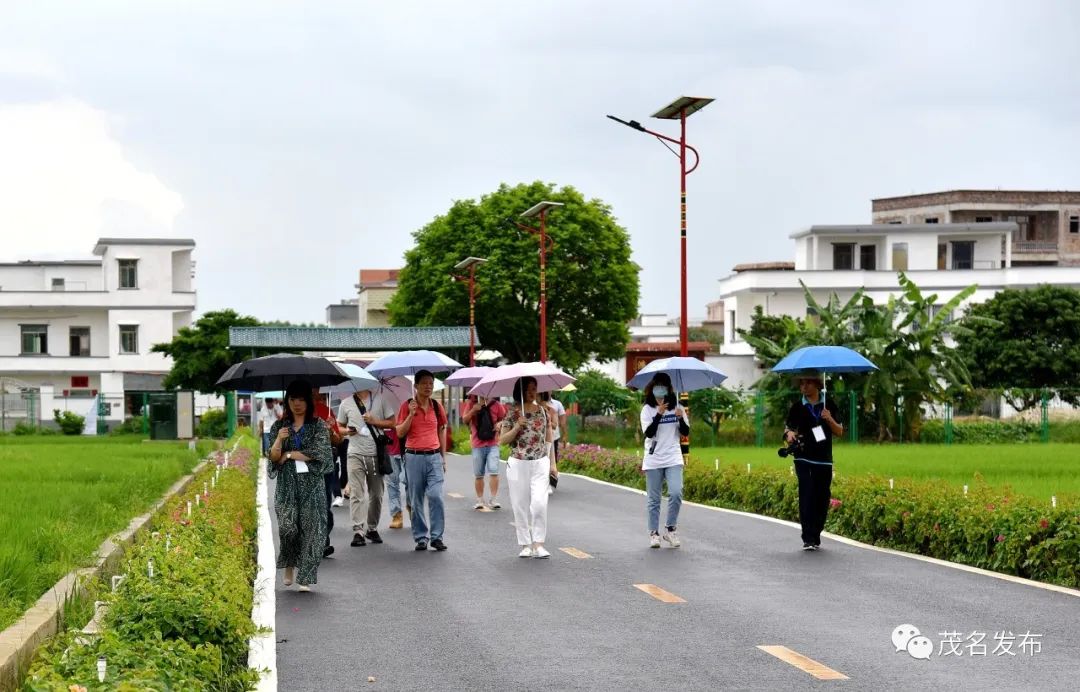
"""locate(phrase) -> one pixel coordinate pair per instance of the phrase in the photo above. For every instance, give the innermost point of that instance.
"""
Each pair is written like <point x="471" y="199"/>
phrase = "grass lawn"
<point x="1036" y="470"/>
<point x="60" y="497"/>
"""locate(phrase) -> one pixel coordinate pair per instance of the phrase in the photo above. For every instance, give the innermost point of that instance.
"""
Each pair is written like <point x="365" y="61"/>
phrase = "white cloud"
<point x="65" y="179"/>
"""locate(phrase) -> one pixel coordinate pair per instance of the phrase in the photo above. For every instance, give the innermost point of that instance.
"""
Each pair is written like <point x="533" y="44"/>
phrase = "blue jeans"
<point x="266" y="444"/>
<point x="485" y="461"/>
<point x="394" y="484"/>
<point x="425" y="479"/>
<point x="654" y="480"/>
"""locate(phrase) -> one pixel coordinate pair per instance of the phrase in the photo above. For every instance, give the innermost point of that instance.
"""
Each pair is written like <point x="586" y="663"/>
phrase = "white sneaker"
<point x="479" y="503"/>
<point x="494" y="504"/>
<point x="338" y="501"/>
<point x="654" y="540"/>
<point x="672" y="538"/>
<point x="551" y="491"/>
<point x="541" y="553"/>
<point x="304" y="588"/>
<point x="527" y="551"/>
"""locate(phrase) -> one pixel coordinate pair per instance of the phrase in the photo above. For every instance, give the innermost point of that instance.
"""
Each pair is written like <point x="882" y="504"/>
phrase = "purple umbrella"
<point x="468" y="377"/>
<point x="500" y="381"/>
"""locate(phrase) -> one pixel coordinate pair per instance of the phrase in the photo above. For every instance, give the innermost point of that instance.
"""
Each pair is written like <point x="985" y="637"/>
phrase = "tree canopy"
<point x="592" y="286"/>
<point x="1033" y="342"/>
<point x="201" y="353"/>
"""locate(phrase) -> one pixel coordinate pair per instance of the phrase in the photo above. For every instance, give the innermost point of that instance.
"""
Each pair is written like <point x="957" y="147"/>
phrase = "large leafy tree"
<point x="1031" y="342"/>
<point x="592" y="286"/>
<point x="201" y="352"/>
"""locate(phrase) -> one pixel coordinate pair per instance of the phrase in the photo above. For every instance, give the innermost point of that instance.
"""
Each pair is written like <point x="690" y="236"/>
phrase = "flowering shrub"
<point x="990" y="527"/>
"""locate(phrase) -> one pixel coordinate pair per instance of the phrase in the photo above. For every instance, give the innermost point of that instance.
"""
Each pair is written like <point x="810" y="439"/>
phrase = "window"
<point x="896" y="223"/>
<point x="79" y="340"/>
<point x="983" y="219"/>
<point x="930" y="219"/>
<point x="58" y="284"/>
<point x="129" y="275"/>
<point x="843" y="256"/>
<point x="35" y="339"/>
<point x="129" y="338"/>
<point x="868" y="257"/>
<point x="935" y="309"/>
<point x="899" y="257"/>
<point x="963" y="254"/>
<point x="942" y="256"/>
<point x="1074" y="224"/>
<point x="80" y="381"/>
<point x="1024" y="224"/>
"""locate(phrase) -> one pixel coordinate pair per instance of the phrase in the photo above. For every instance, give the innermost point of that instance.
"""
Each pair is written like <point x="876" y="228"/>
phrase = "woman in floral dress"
<point x="299" y="457"/>
<point x="527" y="430"/>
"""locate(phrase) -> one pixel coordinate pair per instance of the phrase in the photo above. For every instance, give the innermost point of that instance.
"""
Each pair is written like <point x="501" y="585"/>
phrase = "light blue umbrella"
<point x="272" y="394"/>
<point x="412" y="362"/>
<point x="824" y="359"/>
<point x="687" y="374"/>
<point x="360" y="380"/>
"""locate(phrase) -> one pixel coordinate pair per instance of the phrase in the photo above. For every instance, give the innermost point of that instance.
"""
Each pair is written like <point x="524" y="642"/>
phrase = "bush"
<point x="187" y="626"/>
<point x="981" y="431"/>
<point x="70" y="423"/>
<point x="990" y="528"/>
<point x="133" y="425"/>
<point x="24" y="429"/>
<point x="213" y="423"/>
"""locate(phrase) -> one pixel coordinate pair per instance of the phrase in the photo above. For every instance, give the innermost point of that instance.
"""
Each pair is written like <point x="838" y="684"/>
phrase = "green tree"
<point x="1032" y="342"/>
<point x="599" y="395"/>
<point x="201" y="353"/>
<point x="714" y="337"/>
<point x="592" y="286"/>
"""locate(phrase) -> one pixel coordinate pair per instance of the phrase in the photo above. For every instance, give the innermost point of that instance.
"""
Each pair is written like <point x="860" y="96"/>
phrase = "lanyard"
<point x="812" y="408"/>
<point x="297" y="437"/>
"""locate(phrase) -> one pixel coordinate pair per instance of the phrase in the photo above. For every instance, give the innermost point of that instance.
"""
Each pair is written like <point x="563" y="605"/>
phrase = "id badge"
<point x="301" y="467"/>
<point x="819" y="433"/>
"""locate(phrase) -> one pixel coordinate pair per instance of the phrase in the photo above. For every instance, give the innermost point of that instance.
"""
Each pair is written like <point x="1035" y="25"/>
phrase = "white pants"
<point x="528" y="481"/>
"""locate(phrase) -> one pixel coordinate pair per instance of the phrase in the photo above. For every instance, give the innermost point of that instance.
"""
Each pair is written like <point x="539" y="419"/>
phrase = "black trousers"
<point x="329" y="478"/>
<point x="815" y="491"/>
<point x="341" y="458"/>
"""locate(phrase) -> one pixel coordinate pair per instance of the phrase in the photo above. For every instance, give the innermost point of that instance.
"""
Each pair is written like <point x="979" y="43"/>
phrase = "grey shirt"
<point x="363" y="444"/>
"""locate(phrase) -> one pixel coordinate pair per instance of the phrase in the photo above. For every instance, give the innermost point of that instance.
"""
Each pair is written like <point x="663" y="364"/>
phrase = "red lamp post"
<point x="541" y="209"/>
<point x="679" y="109"/>
<point x="470" y="263"/>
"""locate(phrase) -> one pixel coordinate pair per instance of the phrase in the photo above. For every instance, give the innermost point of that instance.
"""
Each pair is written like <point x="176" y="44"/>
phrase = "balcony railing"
<point x="1034" y="246"/>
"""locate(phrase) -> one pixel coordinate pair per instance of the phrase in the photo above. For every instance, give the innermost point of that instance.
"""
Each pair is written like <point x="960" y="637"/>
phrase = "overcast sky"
<point x="299" y="142"/>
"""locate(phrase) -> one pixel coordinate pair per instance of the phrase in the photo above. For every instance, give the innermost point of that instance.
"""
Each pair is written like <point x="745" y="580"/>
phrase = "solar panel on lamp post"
<point x="541" y="210"/>
<point x="679" y="109"/>
<point x="470" y="263"/>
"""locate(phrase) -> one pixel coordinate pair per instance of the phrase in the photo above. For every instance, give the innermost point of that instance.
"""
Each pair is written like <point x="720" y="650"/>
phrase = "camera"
<point x="795" y="447"/>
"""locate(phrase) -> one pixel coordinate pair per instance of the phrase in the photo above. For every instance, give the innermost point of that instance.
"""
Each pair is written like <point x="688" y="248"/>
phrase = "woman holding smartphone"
<point x="663" y="422"/>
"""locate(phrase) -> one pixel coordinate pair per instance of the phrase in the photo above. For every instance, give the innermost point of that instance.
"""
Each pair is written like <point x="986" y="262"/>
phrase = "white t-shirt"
<point x="667" y="451"/>
<point x="560" y="411"/>
<point x="268" y="415"/>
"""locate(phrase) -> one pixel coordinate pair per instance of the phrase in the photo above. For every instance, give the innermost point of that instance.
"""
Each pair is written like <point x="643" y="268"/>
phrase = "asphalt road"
<point x="477" y="617"/>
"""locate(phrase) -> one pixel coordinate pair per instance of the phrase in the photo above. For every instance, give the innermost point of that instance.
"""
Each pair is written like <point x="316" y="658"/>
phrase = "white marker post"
<point x="890" y="484"/>
<point x="102" y="666"/>
<point x="205" y="488"/>
<point x="748" y="468"/>
<point x="168" y="542"/>
<point x="1053" y="501"/>
<point x="150" y="569"/>
<point x="965" y="491"/>
<point x="717" y="464"/>
<point x="189" y="508"/>
<point x="116" y="579"/>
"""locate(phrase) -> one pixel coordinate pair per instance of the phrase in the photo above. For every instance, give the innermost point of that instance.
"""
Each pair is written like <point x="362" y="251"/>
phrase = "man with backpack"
<point x="483" y="417"/>
<point x="421" y="422"/>
<point x="365" y="416"/>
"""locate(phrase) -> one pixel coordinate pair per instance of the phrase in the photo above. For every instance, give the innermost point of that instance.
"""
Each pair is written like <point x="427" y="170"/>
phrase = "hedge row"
<point x="988" y="528"/>
<point x="187" y="626"/>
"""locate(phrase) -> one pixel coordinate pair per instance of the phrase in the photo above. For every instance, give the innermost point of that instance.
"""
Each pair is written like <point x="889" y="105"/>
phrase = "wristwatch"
<point x="288" y="455"/>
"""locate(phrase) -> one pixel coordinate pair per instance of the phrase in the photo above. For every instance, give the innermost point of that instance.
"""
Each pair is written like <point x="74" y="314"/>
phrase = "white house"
<point x="941" y="258"/>
<point x="78" y="328"/>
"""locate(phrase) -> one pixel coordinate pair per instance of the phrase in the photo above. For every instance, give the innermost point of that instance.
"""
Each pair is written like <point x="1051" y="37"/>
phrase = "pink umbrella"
<point x="468" y="377"/>
<point x="500" y="381"/>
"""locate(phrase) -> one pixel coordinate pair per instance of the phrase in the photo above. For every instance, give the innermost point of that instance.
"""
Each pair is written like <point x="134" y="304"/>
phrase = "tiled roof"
<point x="667" y="346"/>
<point x="350" y="338"/>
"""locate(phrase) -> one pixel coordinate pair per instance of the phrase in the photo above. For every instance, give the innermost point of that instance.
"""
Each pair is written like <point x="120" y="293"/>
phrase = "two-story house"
<point x="74" y="329"/>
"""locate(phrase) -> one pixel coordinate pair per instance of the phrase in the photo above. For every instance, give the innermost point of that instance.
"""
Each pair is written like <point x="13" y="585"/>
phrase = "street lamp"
<point x="541" y="209"/>
<point x="679" y="109"/>
<point x="470" y="263"/>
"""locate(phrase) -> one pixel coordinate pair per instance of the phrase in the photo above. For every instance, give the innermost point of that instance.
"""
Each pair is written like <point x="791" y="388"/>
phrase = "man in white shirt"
<point x="268" y="415"/>
<point x="361" y="413"/>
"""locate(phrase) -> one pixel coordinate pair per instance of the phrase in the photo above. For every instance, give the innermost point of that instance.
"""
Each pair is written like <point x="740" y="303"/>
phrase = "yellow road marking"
<point x="456" y="496"/>
<point x="659" y="594"/>
<point x="574" y="552"/>
<point x="807" y="665"/>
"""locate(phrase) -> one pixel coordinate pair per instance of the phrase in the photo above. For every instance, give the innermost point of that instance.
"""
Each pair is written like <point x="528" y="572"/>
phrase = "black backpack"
<point x="485" y="427"/>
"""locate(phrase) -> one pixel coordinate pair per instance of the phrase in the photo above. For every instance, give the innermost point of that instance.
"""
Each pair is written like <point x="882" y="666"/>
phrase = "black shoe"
<point x="421" y="545"/>
<point x="328" y="551"/>
<point x="358" y="540"/>
<point x="437" y="544"/>
<point x="808" y="547"/>
<point x="373" y="536"/>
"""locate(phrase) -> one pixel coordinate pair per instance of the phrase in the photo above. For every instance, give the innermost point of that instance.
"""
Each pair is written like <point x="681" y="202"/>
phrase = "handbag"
<point x="382" y="454"/>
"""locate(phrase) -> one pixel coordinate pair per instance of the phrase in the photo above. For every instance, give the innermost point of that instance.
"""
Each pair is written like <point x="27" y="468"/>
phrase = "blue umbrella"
<point x="359" y="381"/>
<point x="824" y="359"/>
<point x="687" y="374"/>
<point x="411" y="362"/>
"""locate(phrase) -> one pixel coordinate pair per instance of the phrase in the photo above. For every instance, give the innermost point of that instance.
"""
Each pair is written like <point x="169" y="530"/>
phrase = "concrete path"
<point x="611" y="614"/>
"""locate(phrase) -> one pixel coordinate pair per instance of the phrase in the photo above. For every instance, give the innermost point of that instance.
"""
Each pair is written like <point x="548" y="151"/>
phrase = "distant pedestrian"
<point x="365" y="416"/>
<point x="663" y="421"/>
<point x="396" y="482"/>
<point x="811" y="425"/>
<point x="527" y="429"/>
<point x="558" y="432"/>
<point x="299" y="458"/>
<point x="483" y="416"/>
<point x="421" y="421"/>
<point x="269" y="414"/>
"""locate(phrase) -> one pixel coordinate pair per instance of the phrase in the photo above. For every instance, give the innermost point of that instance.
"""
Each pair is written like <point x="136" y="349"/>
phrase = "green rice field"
<point x="60" y="497"/>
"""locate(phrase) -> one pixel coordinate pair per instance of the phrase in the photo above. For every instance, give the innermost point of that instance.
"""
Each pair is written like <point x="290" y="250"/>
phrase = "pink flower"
<point x="834" y="503"/>
<point x="1000" y="538"/>
<point x="990" y="507"/>
<point x="1043" y="524"/>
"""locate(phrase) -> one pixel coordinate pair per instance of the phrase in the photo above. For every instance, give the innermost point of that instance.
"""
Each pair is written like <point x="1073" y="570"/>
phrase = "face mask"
<point x="660" y="392"/>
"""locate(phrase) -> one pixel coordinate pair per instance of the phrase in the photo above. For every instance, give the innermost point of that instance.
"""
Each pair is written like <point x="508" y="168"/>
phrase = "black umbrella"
<point x="277" y="371"/>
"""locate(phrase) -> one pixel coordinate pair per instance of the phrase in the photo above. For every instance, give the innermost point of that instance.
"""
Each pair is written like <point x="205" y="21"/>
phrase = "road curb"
<point x="262" y="647"/>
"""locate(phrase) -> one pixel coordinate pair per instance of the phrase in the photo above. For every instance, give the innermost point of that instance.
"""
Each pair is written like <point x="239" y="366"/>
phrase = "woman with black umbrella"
<point x="299" y="457"/>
